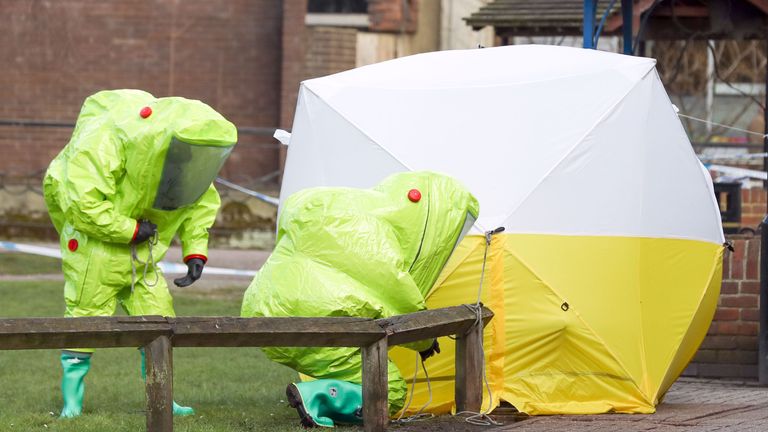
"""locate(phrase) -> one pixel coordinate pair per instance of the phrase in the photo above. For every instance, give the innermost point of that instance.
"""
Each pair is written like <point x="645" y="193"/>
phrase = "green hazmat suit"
<point x="131" y="157"/>
<point x="120" y="167"/>
<point x="361" y="253"/>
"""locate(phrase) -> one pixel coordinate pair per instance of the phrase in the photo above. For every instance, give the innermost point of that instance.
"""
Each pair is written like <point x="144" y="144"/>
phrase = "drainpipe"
<point x="762" y="362"/>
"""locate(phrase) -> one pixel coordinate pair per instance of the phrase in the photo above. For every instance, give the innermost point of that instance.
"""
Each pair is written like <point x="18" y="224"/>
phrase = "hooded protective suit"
<point x="131" y="157"/>
<point x="120" y="167"/>
<point x="360" y="253"/>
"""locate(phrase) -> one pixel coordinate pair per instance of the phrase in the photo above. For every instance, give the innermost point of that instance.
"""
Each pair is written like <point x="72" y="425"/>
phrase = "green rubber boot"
<point x="75" y="366"/>
<point x="327" y="401"/>
<point x="178" y="410"/>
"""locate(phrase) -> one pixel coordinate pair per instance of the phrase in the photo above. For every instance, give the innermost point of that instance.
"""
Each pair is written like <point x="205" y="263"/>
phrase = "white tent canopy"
<point x="550" y="139"/>
<point x="607" y="276"/>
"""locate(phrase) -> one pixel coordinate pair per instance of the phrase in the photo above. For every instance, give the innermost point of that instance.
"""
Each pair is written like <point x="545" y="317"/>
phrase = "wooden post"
<point x="375" y="386"/>
<point x="159" y="363"/>
<point x="469" y="370"/>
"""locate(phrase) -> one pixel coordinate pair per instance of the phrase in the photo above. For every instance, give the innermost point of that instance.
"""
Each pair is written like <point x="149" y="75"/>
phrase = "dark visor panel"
<point x="188" y="172"/>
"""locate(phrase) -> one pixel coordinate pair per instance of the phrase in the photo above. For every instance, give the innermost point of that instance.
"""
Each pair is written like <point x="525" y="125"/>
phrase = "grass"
<point x="25" y="264"/>
<point x="232" y="389"/>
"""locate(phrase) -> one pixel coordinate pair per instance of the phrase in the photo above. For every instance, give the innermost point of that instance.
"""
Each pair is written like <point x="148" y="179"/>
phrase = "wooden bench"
<point x="158" y="336"/>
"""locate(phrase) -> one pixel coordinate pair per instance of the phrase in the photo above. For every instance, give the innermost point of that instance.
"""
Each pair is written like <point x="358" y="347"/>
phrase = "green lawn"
<point x="23" y="264"/>
<point x="232" y="389"/>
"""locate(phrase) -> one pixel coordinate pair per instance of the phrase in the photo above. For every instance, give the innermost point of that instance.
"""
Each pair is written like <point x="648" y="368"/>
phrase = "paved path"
<point x="690" y="405"/>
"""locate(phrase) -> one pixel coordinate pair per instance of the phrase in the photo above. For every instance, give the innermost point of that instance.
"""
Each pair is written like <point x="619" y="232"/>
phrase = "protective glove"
<point x="146" y="230"/>
<point x="194" y="271"/>
<point x="429" y="352"/>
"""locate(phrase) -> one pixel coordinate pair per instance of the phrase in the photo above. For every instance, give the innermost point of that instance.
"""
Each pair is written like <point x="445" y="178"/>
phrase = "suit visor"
<point x="188" y="171"/>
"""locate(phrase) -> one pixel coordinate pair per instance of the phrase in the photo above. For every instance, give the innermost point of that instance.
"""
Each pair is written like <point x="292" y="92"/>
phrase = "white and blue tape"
<point x="165" y="266"/>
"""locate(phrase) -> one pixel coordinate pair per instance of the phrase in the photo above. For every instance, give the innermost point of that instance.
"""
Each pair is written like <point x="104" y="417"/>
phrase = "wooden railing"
<point x="159" y="335"/>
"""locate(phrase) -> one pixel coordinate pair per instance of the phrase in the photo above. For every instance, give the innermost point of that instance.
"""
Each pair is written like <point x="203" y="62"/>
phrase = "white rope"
<point x="151" y="242"/>
<point x="482" y="418"/>
<point x="475" y="418"/>
<point x="266" y="198"/>
<point x="722" y="125"/>
<point x="420" y="415"/>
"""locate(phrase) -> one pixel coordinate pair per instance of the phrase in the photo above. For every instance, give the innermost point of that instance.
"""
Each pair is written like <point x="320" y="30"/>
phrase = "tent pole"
<point x="590" y="9"/>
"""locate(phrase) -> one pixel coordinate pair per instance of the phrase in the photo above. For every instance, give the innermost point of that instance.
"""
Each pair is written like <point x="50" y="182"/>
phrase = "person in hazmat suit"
<point x="357" y="253"/>
<point x="137" y="171"/>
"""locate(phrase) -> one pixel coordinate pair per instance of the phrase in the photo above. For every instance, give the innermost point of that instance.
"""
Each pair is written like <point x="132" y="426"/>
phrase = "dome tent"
<point x="607" y="275"/>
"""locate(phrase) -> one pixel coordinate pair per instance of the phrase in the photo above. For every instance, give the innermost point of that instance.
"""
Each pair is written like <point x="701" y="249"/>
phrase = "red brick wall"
<point x="393" y="15"/>
<point x="730" y="348"/>
<point x="753" y="207"/>
<point x="56" y="53"/>
<point x="330" y="50"/>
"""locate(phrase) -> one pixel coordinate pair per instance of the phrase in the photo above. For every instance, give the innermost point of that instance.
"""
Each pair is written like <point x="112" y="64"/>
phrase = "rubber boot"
<point x="325" y="402"/>
<point x="178" y="410"/>
<point x="75" y="366"/>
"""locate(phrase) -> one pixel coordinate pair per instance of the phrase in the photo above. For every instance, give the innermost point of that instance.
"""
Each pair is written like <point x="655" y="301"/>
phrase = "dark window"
<point x="337" y="6"/>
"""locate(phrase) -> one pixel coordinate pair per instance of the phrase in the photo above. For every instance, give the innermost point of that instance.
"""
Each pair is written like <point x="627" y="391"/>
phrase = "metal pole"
<point x="762" y="362"/>
<point x="626" y="17"/>
<point x="765" y="116"/>
<point x="590" y="10"/>
<point x="710" y="98"/>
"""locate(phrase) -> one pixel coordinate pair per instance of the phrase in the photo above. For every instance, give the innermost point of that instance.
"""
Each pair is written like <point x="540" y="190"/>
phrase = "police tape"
<point x="258" y="195"/>
<point x="738" y="172"/>
<point x="743" y="156"/>
<point x="165" y="266"/>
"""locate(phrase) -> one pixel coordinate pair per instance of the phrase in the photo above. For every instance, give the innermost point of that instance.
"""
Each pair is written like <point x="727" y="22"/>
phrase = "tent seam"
<point x="592" y="331"/>
<point x="707" y="180"/>
<point x="406" y="166"/>
<point x="579" y="142"/>
<point x="672" y="355"/>
<point x="640" y="259"/>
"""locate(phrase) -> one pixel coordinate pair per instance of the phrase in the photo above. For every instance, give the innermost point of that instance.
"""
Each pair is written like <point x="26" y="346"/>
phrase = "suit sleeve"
<point x="92" y="173"/>
<point x="193" y="232"/>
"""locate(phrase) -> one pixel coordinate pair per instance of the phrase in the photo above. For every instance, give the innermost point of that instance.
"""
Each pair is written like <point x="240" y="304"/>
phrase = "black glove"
<point x="146" y="230"/>
<point x="194" y="271"/>
<point x="429" y="352"/>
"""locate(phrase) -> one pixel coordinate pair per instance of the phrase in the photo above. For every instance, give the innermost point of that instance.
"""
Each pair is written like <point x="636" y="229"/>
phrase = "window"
<point x="337" y="6"/>
<point x="337" y="13"/>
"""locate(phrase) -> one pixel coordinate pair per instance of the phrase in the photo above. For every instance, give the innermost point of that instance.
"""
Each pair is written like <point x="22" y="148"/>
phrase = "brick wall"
<point x="330" y="50"/>
<point x="393" y="15"/>
<point x="56" y="53"/>
<point x="730" y="348"/>
<point x="753" y="207"/>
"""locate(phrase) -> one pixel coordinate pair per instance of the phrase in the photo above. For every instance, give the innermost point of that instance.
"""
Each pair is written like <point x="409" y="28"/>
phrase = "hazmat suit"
<point x="360" y="253"/>
<point x="137" y="171"/>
